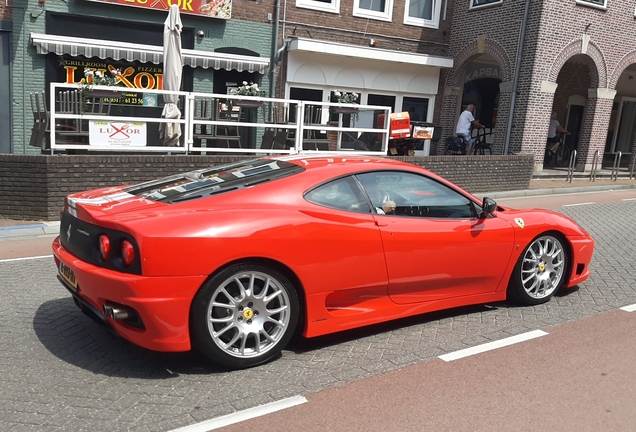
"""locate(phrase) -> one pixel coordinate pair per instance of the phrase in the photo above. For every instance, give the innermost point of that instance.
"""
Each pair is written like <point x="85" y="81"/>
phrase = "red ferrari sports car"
<point x="232" y="260"/>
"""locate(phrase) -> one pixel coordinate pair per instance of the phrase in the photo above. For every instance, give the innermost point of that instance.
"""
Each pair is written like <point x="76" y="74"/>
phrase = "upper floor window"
<point x="477" y="3"/>
<point x="322" y="5"/>
<point x="422" y="13"/>
<point x="600" y="4"/>
<point x="374" y="9"/>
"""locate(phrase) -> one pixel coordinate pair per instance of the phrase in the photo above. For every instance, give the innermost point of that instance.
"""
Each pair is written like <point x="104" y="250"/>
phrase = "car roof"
<point x="313" y="161"/>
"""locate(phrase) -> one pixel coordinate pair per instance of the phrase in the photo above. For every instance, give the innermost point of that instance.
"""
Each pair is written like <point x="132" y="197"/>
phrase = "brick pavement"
<point x="59" y="371"/>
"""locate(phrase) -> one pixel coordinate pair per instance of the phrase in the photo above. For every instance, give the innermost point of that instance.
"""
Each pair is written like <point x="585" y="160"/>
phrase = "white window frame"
<point x="333" y="7"/>
<point x="387" y="15"/>
<point x="419" y="22"/>
<point x="490" y="3"/>
<point x="592" y="5"/>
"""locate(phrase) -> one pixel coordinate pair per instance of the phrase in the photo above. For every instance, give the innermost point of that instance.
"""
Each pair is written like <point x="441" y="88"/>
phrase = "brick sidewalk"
<point x="539" y="183"/>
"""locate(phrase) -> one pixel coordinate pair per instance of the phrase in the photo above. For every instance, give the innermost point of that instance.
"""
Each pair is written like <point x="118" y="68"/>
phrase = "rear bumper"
<point x="163" y="303"/>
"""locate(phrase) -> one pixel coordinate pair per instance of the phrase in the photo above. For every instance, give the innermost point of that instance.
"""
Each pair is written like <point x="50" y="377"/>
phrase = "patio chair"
<point x="268" y="139"/>
<point x="40" y="120"/>
<point x="228" y="135"/>
<point x="206" y="110"/>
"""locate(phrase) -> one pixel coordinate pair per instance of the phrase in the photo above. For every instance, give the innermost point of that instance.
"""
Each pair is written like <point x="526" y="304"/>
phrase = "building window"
<point x="416" y="107"/>
<point x="374" y="9"/>
<point x="321" y="5"/>
<point x="422" y="13"/>
<point x="599" y="4"/>
<point x="478" y="3"/>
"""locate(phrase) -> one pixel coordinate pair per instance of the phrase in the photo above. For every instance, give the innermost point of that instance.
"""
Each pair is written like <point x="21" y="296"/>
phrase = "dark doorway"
<point x="484" y="94"/>
<point x="575" y="120"/>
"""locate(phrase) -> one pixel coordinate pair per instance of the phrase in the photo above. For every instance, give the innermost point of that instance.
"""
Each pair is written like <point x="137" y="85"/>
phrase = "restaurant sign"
<point x="132" y="76"/>
<point x="131" y="134"/>
<point x="210" y="8"/>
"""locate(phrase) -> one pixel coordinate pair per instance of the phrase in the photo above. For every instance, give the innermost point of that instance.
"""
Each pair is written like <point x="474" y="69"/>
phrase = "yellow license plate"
<point x="69" y="276"/>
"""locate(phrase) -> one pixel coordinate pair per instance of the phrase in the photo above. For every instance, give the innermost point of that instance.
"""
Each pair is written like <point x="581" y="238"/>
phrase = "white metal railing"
<point x="212" y="123"/>
<point x="78" y="116"/>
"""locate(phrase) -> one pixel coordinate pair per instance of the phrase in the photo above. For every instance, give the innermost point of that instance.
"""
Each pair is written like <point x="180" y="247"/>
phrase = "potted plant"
<point x="95" y="78"/>
<point x="345" y="98"/>
<point x="247" y="89"/>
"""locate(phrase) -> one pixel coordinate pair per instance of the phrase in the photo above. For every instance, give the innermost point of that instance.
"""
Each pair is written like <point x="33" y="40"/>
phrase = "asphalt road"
<point x="59" y="371"/>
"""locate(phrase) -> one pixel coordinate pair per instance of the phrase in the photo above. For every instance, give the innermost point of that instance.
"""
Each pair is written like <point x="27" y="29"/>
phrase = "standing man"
<point x="464" y="124"/>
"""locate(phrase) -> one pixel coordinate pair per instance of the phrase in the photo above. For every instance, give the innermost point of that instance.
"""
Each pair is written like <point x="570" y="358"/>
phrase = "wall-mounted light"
<point x="200" y="34"/>
<point x="373" y="42"/>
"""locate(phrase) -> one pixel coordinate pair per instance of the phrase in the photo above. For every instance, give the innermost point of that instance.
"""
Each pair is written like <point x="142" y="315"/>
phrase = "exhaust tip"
<point x="118" y="312"/>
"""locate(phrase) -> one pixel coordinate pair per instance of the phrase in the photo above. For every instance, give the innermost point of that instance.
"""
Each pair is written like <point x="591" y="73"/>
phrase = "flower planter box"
<point x="247" y="103"/>
<point x="344" y="110"/>
<point x="99" y="93"/>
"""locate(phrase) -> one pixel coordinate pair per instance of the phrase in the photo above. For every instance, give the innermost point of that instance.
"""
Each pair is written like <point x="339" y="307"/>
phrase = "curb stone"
<point x="30" y="230"/>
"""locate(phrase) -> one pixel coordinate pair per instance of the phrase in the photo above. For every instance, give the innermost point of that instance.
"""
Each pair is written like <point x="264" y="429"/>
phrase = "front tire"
<point x="244" y="316"/>
<point x="540" y="271"/>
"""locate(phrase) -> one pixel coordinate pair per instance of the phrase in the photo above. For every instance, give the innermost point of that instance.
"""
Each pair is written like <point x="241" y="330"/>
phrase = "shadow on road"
<point x="76" y="339"/>
<point x="301" y="345"/>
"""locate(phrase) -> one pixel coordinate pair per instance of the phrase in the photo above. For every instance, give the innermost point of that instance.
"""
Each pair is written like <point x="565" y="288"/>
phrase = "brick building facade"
<point x="578" y="58"/>
<point x="389" y="52"/>
<point x="45" y="34"/>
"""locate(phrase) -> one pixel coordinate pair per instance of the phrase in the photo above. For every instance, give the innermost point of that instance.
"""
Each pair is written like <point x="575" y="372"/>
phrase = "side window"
<point x="422" y="13"/>
<point x="321" y="5"/>
<point x="341" y="194"/>
<point x="375" y="9"/>
<point x="600" y="4"/>
<point x="477" y="3"/>
<point x="415" y="195"/>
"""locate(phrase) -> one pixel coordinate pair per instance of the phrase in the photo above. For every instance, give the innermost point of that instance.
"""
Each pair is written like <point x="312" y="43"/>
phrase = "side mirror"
<point x="487" y="207"/>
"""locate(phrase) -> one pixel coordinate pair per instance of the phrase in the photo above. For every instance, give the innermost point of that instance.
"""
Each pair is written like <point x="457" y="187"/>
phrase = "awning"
<point x="346" y="50"/>
<point x="104" y="49"/>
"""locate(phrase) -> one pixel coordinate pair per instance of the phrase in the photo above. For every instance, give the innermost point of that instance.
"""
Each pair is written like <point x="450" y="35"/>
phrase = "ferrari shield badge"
<point x="519" y="222"/>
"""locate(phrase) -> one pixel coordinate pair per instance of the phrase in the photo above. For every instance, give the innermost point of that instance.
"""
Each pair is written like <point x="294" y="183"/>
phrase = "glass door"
<point x="624" y="134"/>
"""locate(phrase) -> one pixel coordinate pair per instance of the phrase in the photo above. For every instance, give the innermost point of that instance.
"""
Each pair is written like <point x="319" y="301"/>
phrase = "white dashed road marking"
<point x="240" y="416"/>
<point x="578" y="204"/>
<point x="27" y="258"/>
<point x="492" y="345"/>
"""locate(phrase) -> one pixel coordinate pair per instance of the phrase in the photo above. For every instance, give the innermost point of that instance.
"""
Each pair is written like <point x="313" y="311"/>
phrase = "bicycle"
<point x="480" y="145"/>
<point x="562" y="154"/>
<point x="455" y="146"/>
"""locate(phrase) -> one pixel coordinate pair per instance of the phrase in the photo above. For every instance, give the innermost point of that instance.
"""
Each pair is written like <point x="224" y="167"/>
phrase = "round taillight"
<point x="127" y="252"/>
<point x="104" y="246"/>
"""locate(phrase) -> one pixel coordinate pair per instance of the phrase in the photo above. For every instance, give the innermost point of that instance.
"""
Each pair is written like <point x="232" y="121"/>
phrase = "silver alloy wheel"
<point x="542" y="267"/>
<point x="248" y="314"/>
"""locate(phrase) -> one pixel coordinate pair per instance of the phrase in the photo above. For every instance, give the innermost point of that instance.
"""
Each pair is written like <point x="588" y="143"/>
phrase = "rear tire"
<point x="449" y="146"/>
<point x="562" y="156"/>
<point x="244" y="316"/>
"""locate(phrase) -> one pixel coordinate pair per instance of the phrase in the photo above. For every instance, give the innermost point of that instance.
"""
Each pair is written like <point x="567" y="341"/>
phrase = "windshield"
<point x="214" y="180"/>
